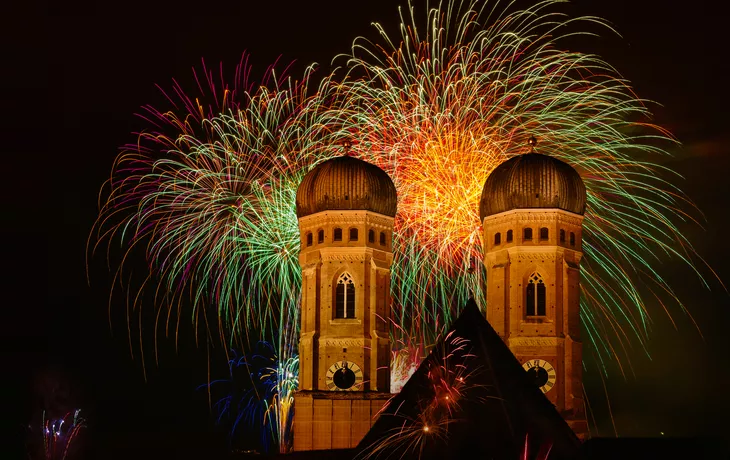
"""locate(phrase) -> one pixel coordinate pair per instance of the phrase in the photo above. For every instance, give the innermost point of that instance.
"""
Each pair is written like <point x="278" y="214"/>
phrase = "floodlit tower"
<point x="532" y="210"/>
<point x="346" y="208"/>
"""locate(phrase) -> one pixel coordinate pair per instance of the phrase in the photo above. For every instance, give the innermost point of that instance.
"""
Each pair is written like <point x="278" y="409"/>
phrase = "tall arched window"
<point x="509" y="236"/>
<point x="527" y="234"/>
<point x="562" y="236"/>
<point x="353" y="234"/>
<point x="497" y="238"/>
<point x="382" y="238"/>
<point x="544" y="233"/>
<point x="309" y="238"/>
<point x="337" y="235"/>
<point x="535" y="299"/>
<point x="345" y="297"/>
<point x="572" y="239"/>
<point x="371" y="236"/>
<point x="320" y="236"/>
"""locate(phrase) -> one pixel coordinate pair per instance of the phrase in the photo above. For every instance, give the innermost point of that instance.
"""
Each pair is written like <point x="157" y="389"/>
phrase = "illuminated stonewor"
<point x="345" y="208"/>
<point x="532" y="212"/>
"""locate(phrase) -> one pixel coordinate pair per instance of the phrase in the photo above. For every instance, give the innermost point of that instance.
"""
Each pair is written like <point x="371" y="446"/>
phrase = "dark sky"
<point x="75" y="73"/>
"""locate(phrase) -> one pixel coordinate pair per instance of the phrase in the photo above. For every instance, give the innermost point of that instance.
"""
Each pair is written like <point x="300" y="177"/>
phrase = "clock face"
<point x="344" y="376"/>
<point x="542" y="373"/>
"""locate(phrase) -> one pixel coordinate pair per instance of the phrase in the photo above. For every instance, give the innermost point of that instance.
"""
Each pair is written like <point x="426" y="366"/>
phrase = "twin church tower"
<point x="531" y="210"/>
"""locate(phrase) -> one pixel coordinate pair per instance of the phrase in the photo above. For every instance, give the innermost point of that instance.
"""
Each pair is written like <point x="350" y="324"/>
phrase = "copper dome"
<point x="532" y="180"/>
<point x="346" y="183"/>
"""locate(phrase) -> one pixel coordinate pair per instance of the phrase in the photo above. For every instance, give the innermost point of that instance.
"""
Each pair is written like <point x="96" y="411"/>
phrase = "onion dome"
<point x="346" y="183"/>
<point x="532" y="181"/>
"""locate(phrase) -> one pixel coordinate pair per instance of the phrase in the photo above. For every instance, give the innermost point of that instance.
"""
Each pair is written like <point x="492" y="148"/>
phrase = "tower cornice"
<point x="534" y="215"/>
<point x="346" y="217"/>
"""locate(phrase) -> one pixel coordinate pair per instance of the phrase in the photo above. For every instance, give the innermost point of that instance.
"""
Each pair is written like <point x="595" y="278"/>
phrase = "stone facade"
<point x="551" y="254"/>
<point x="335" y="420"/>
<point x="356" y="246"/>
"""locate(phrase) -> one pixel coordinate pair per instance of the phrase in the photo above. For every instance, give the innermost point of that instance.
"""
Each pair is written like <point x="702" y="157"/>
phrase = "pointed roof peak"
<point x="471" y="311"/>
<point x="470" y="398"/>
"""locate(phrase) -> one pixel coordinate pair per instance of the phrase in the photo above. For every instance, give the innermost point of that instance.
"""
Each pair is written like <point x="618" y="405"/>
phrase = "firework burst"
<point x="208" y="194"/>
<point x="440" y="107"/>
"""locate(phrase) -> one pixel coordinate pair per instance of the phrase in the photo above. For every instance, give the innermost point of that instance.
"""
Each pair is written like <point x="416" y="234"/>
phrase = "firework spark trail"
<point x="258" y="397"/>
<point x="59" y="434"/>
<point x="211" y="201"/>
<point x="439" y="108"/>
<point x="448" y="382"/>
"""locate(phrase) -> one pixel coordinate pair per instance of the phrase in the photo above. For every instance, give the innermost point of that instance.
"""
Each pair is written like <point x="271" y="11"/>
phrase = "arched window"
<point x="320" y="236"/>
<point x="345" y="297"/>
<point x="337" y="235"/>
<point x="572" y="239"/>
<point x="527" y="235"/>
<point x="353" y="234"/>
<point x="497" y="238"/>
<point x="535" y="298"/>
<point x="382" y="238"/>
<point x="509" y="236"/>
<point x="544" y="233"/>
<point x="371" y="236"/>
<point x="309" y="238"/>
<point x="562" y="236"/>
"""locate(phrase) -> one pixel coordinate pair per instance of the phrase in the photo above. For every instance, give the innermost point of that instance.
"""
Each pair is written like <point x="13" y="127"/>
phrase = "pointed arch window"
<point x="337" y="235"/>
<point x="353" y="234"/>
<point x="345" y="297"/>
<point x="562" y="236"/>
<point x="382" y="238"/>
<point x="371" y="236"/>
<point x="509" y="236"/>
<point x="320" y="236"/>
<point x="536" y="296"/>
<point x="497" y="239"/>
<point x="572" y="239"/>
<point x="309" y="238"/>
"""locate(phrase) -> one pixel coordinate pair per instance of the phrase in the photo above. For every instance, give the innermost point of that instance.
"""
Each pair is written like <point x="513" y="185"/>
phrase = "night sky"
<point x="75" y="74"/>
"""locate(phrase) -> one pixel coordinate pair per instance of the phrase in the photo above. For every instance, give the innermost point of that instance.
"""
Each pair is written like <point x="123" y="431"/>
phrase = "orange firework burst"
<point x="441" y="185"/>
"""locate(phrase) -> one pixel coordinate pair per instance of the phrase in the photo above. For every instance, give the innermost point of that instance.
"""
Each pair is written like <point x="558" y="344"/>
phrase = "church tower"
<point x="532" y="214"/>
<point x="346" y="209"/>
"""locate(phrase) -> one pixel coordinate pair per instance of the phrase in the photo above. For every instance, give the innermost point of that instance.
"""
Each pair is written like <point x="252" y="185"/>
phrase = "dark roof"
<point x="594" y="449"/>
<point x="470" y="398"/>
<point x="346" y="183"/>
<point x="532" y="181"/>
<point x="660" y="448"/>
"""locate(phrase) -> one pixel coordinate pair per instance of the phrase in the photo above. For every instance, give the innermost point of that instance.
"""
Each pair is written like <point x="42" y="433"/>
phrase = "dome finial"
<point x="532" y="142"/>
<point x="346" y="146"/>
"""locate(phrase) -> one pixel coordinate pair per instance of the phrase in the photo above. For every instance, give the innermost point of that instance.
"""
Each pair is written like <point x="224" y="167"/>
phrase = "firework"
<point x="439" y="107"/>
<point x="208" y="194"/>
<point x="259" y="387"/>
<point x="60" y="434"/>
